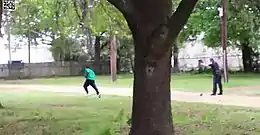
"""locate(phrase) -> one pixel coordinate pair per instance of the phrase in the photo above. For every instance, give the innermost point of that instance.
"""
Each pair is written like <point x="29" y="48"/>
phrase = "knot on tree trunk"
<point x="157" y="49"/>
<point x="150" y="66"/>
<point x="157" y="42"/>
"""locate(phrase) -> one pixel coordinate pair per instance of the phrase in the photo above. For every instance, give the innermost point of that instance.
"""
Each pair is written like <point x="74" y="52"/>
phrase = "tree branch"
<point x="127" y="8"/>
<point x="57" y="13"/>
<point x="165" y="35"/>
<point x="104" y="45"/>
<point x="76" y="9"/>
<point x="124" y="6"/>
<point x="102" y="33"/>
<point x="84" y="10"/>
<point x="179" y="19"/>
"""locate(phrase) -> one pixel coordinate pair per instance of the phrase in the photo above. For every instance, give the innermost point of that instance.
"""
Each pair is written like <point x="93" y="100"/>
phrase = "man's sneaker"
<point x="220" y="93"/>
<point x="212" y="94"/>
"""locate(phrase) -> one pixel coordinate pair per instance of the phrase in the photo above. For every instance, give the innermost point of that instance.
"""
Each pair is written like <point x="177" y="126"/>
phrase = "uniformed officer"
<point x="216" y="77"/>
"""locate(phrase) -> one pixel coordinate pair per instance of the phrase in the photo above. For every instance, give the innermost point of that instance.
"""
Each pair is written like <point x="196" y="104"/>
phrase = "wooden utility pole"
<point x="9" y="42"/>
<point x="29" y="41"/>
<point x="29" y="46"/>
<point x="224" y="21"/>
<point x="113" y="59"/>
<point x="29" y="37"/>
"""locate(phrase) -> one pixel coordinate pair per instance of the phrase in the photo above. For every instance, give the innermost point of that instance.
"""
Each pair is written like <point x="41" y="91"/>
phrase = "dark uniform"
<point x="216" y="77"/>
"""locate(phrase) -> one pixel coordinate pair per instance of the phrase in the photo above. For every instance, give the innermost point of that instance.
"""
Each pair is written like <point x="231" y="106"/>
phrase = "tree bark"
<point x="176" y="58"/>
<point x="247" y="57"/>
<point x="154" y="30"/>
<point x="151" y="112"/>
<point x="97" y="53"/>
<point x="98" y="49"/>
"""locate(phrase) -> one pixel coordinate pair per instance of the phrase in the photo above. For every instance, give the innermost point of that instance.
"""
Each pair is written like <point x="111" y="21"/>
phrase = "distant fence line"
<point x="234" y="62"/>
<point x="48" y="69"/>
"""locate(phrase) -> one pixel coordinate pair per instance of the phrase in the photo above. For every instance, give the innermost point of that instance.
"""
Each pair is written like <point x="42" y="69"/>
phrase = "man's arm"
<point x="218" y="69"/>
<point x="86" y="73"/>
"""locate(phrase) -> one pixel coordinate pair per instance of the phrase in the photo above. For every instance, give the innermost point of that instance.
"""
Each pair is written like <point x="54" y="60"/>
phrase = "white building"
<point x="19" y="51"/>
<point x="188" y="56"/>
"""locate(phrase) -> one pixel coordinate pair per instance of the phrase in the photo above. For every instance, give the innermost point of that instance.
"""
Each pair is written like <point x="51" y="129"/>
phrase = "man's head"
<point x="87" y="66"/>
<point x="211" y="60"/>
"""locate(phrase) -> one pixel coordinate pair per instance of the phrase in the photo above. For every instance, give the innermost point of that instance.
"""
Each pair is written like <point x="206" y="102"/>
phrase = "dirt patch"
<point x="15" y="90"/>
<point x="244" y="90"/>
<point x="13" y="82"/>
<point x="61" y="105"/>
<point x="232" y="96"/>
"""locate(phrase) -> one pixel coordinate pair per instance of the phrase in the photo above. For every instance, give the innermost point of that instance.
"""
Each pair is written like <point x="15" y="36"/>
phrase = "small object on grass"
<point x="201" y="94"/>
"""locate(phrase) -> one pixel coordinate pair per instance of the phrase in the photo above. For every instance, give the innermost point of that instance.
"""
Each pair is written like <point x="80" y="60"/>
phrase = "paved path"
<point x="178" y="96"/>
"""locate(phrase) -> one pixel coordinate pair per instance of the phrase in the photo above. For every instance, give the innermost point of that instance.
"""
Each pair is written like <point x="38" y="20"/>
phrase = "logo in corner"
<point x="9" y="5"/>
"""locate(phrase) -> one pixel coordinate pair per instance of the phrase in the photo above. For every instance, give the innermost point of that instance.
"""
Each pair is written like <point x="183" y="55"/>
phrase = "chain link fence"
<point x="192" y="63"/>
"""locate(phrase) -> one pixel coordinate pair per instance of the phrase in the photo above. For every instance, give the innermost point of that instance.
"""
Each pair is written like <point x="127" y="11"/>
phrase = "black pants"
<point x="91" y="83"/>
<point x="217" y="81"/>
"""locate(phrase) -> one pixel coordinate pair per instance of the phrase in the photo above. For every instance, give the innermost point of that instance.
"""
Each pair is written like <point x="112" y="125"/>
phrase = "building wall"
<point x="196" y="50"/>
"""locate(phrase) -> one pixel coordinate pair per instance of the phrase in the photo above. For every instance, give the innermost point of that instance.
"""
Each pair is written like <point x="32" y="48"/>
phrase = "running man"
<point x="216" y="78"/>
<point x="90" y="80"/>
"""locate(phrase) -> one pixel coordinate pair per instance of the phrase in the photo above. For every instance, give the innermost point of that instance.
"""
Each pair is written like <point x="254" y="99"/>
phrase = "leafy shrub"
<point x="117" y="122"/>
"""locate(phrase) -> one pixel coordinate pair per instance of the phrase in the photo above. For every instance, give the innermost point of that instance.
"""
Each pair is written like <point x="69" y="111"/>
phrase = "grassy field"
<point x="57" y="114"/>
<point x="183" y="82"/>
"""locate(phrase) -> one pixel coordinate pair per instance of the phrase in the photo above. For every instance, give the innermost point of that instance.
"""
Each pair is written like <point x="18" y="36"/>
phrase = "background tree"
<point x="154" y="29"/>
<point x="106" y="17"/>
<point x="93" y="23"/>
<point x="105" y="22"/>
<point x="43" y="19"/>
<point x="184" y="36"/>
<point x="66" y="49"/>
<point x="243" y="27"/>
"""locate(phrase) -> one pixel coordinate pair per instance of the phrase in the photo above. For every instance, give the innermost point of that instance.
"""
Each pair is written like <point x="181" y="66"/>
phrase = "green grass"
<point x="55" y="114"/>
<point x="181" y="82"/>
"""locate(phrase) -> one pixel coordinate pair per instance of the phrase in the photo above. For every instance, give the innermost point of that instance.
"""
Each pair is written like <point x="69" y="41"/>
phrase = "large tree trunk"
<point x="151" y="112"/>
<point x="154" y="29"/>
<point x="247" y="57"/>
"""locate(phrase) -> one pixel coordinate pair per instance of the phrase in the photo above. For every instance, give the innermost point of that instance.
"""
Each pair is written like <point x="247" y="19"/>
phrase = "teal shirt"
<point x="90" y="74"/>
